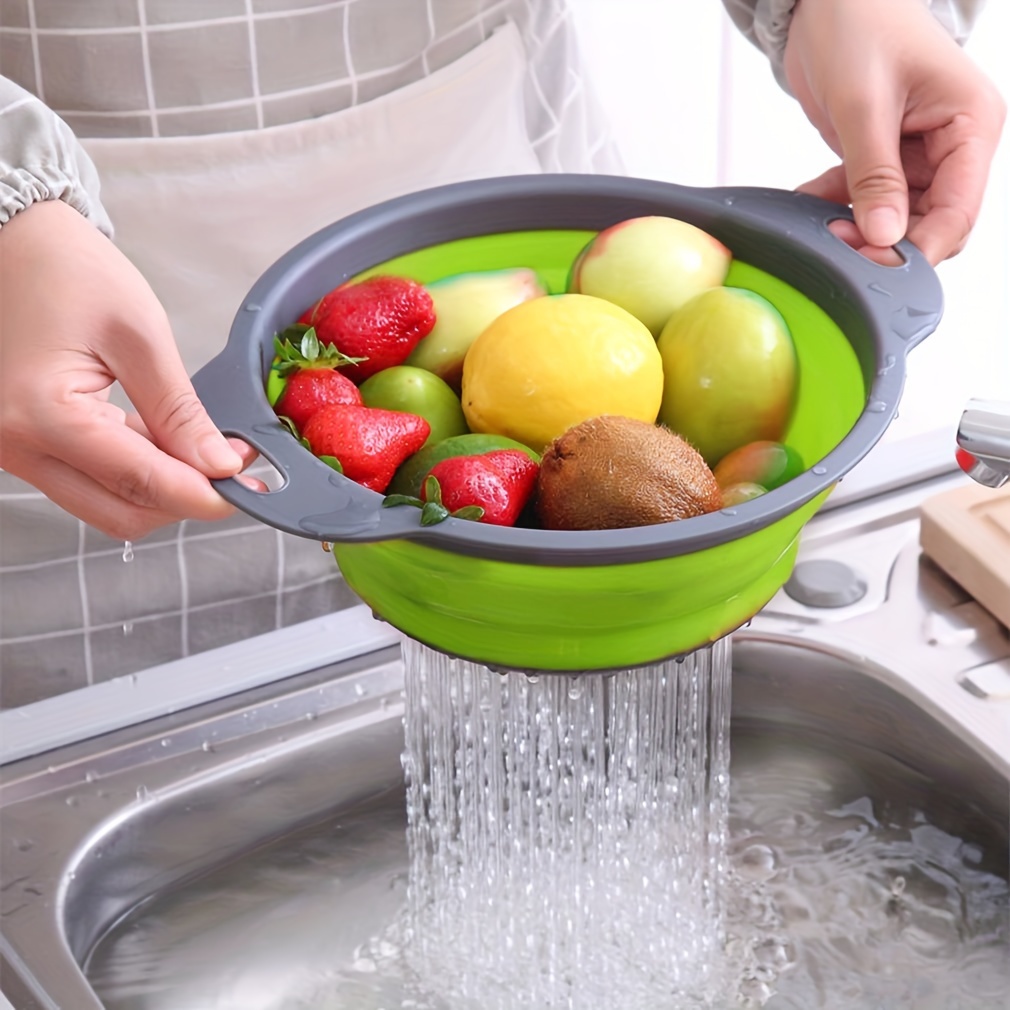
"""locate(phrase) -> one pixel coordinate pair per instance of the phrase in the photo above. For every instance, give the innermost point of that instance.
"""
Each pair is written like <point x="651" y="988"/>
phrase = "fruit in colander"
<point x="650" y="266"/>
<point x="416" y="391"/>
<point x="769" y="464"/>
<point x="552" y="362"/>
<point x="730" y="370"/>
<point x="465" y="305"/>
<point x="615" y="472"/>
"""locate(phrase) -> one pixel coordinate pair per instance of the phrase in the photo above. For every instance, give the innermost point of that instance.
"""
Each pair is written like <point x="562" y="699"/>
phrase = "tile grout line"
<point x="82" y="584"/>
<point x="33" y="29"/>
<point x="279" y="596"/>
<point x="183" y="589"/>
<point x="145" y="50"/>
<point x="347" y="56"/>
<point x="254" y="63"/>
<point x="108" y="552"/>
<point x="147" y="618"/>
<point x="175" y="26"/>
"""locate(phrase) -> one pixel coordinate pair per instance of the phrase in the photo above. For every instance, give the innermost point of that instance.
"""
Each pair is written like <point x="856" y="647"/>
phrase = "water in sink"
<point x="842" y="892"/>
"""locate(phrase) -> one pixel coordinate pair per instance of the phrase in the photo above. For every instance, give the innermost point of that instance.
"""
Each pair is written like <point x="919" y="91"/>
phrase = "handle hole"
<point x="845" y="230"/>
<point x="259" y="474"/>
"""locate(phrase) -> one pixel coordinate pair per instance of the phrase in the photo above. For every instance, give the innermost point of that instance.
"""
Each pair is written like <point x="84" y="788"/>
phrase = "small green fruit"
<point x="465" y="305"/>
<point x="416" y="391"/>
<point x="729" y="368"/>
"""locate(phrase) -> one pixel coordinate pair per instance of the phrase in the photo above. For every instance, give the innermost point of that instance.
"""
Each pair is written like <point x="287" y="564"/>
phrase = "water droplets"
<point x="757" y="862"/>
<point x="544" y="815"/>
<point x="127" y="551"/>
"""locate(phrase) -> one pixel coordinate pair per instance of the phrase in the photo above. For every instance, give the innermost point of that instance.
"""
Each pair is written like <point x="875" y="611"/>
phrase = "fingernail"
<point x="217" y="454"/>
<point x="883" y="226"/>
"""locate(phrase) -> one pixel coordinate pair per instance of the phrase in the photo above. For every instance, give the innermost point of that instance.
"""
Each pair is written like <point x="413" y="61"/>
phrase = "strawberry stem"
<point x="299" y="346"/>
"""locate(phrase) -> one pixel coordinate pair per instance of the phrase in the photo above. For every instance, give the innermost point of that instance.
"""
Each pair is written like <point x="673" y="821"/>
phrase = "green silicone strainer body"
<point x="573" y="601"/>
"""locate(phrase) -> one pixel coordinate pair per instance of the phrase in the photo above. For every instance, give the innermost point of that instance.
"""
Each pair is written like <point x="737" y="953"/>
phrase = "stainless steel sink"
<point x="93" y="832"/>
<point x="95" y="829"/>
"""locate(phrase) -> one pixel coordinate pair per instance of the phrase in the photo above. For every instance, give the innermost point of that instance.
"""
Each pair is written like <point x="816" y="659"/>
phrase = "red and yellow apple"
<point x="650" y="266"/>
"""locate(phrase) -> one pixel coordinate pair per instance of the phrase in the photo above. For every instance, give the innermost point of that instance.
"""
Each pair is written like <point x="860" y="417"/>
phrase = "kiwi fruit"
<point x="615" y="472"/>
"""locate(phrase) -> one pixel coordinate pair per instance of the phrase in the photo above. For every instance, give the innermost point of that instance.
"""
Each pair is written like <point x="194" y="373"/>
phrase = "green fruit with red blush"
<point x="730" y="372"/>
<point x="768" y="464"/>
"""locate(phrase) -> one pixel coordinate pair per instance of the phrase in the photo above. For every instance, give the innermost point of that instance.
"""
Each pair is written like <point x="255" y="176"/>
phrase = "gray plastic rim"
<point x="884" y="312"/>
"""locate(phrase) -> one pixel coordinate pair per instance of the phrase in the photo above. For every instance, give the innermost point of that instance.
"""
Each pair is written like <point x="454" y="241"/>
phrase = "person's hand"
<point x="914" y="121"/>
<point x="75" y="315"/>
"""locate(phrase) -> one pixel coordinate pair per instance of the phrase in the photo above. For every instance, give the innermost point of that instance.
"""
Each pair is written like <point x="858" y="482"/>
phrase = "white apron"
<point x="202" y="217"/>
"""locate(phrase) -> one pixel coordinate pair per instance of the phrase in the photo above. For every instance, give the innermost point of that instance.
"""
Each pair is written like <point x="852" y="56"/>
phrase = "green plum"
<point x="465" y="305"/>
<point x="650" y="266"/>
<point x="769" y="464"/>
<point x="730" y="372"/>
<point x="416" y="391"/>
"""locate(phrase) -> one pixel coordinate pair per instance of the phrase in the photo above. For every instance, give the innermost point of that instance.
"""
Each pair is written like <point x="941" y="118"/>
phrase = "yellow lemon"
<point x="552" y="362"/>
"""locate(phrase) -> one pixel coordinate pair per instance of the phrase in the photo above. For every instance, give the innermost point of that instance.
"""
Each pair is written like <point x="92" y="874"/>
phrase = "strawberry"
<point x="493" y="487"/>
<point x="381" y="319"/>
<point x="312" y="379"/>
<point x="369" y="443"/>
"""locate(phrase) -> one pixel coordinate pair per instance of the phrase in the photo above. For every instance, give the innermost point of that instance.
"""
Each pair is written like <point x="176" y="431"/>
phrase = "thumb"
<point x="871" y="153"/>
<point x="151" y="372"/>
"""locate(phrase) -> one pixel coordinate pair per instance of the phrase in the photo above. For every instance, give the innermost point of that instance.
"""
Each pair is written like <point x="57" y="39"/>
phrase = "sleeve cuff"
<point x="41" y="159"/>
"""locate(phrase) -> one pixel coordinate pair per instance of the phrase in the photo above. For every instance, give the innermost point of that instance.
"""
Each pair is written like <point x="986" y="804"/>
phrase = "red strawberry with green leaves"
<point x="380" y="320"/>
<point x="312" y="379"/>
<point x="369" y="443"/>
<point x="493" y="487"/>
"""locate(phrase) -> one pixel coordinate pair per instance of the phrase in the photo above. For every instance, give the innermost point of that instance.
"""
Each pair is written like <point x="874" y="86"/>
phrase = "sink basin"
<point x="257" y="841"/>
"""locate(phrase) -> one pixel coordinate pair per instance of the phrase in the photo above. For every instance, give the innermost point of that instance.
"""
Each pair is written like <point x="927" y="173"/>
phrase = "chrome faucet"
<point x="984" y="438"/>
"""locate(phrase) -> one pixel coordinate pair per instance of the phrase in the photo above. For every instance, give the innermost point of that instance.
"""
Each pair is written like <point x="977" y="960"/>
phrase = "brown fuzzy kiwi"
<point x="614" y="472"/>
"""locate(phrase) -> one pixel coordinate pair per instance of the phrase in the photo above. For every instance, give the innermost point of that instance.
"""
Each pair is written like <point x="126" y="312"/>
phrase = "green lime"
<point x="417" y="391"/>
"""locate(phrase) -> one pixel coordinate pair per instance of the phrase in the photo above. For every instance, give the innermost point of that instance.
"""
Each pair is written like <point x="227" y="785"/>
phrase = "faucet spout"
<point x="984" y="435"/>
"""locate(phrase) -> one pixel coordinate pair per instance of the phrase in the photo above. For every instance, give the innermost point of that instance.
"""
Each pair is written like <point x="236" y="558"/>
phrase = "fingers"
<point x="152" y="374"/>
<point x="832" y="185"/>
<point x="96" y="505"/>
<point x="131" y="468"/>
<point x="869" y="134"/>
<point x="246" y="452"/>
<point x="953" y="200"/>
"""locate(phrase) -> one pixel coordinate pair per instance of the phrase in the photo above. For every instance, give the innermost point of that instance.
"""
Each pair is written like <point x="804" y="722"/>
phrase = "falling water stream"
<point x="567" y="835"/>
<point x="574" y="842"/>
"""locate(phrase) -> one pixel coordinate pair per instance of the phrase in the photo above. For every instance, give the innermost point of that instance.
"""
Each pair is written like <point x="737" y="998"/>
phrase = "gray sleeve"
<point x="41" y="159"/>
<point x="766" y="23"/>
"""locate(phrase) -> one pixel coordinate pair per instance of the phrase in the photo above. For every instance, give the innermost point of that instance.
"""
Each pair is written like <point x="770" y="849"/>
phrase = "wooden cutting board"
<point x="967" y="533"/>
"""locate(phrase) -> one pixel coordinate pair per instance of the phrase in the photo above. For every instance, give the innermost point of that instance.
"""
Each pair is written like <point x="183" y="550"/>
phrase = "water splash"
<point x="567" y="847"/>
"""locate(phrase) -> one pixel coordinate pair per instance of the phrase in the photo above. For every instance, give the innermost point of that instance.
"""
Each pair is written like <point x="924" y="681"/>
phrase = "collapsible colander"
<point x="573" y="601"/>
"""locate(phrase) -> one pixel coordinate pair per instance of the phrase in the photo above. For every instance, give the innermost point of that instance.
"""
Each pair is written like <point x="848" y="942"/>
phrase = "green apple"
<point x="650" y="266"/>
<point x="416" y="391"/>
<point x="465" y="305"/>
<point x="729" y="372"/>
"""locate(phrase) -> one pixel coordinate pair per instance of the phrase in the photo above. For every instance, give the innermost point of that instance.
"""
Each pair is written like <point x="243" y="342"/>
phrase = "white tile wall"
<point x="694" y="103"/>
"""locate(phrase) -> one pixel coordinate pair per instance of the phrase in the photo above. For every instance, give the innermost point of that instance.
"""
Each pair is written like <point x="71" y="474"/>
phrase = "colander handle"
<point x="351" y="512"/>
<point x="906" y="301"/>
